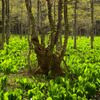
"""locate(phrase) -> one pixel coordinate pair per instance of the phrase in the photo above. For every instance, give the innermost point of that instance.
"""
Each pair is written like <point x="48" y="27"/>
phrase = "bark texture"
<point x="75" y="25"/>
<point x="92" y="30"/>
<point x="47" y="60"/>
<point x="7" y="22"/>
<point x="66" y="30"/>
<point x="3" y="20"/>
<point x="38" y="15"/>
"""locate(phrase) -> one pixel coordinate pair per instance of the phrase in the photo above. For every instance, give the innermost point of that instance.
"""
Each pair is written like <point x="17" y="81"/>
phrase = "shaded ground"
<point x="23" y="73"/>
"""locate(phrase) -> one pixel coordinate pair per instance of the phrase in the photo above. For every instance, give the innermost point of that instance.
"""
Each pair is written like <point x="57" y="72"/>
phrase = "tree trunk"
<point x="30" y="44"/>
<point x="7" y="22"/>
<point x="66" y="30"/>
<point x="3" y="21"/>
<point x="38" y="14"/>
<point x="87" y="32"/>
<point x="21" y="25"/>
<point x="42" y="25"/>
<point x="47" y="60"/>
<point x="25" y="34"/>
<point x="92" y="28"/>
<point x="54" y="8"/>
<point x="59" y="41"/>
<point x="72" y="30"/>
<point x="29" y="53"/>
<point x="75" y="28"/>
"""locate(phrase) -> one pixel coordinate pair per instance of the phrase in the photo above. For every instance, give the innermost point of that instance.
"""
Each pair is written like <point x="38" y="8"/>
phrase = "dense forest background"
<point x="19" y="19"/>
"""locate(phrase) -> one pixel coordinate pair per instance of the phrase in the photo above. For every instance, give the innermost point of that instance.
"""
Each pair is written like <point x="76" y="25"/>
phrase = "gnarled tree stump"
<point x="47" y="61"/>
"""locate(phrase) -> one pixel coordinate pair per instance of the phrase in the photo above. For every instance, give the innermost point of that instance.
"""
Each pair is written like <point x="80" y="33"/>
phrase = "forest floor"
<point x="23" y="73"/>
<point x="83" y="62"/>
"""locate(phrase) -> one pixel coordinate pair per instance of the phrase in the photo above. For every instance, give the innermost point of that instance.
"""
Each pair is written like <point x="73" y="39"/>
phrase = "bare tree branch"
<point x="32" y="19"/>
<point x="34" y="37"/>
<point x="55" y="38"/>
<point x="50" y="15"/>
<point x="59" y="21"/>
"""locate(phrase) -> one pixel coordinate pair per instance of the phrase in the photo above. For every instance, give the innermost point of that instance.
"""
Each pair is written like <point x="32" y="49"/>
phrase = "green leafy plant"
<point x="25" y="84"/>
<point x="15" y="94"/>
<point x="3" y="82"/>
<point x="91" y="88"/>
<point x="1" y="95"/>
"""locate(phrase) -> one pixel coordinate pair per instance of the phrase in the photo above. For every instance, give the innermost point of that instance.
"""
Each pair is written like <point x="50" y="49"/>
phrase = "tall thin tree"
<point x="38" y="14"/>
<point x="3" y="21"/>
<point x="7" y="22"/>
<point x="92" y="23"/>
<point x="29" y="31"/>
<point x="21" y="20"/>
<point x="59" y="42"/>
<point x="75" y="24"/>
<point x="41" y="23"/>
